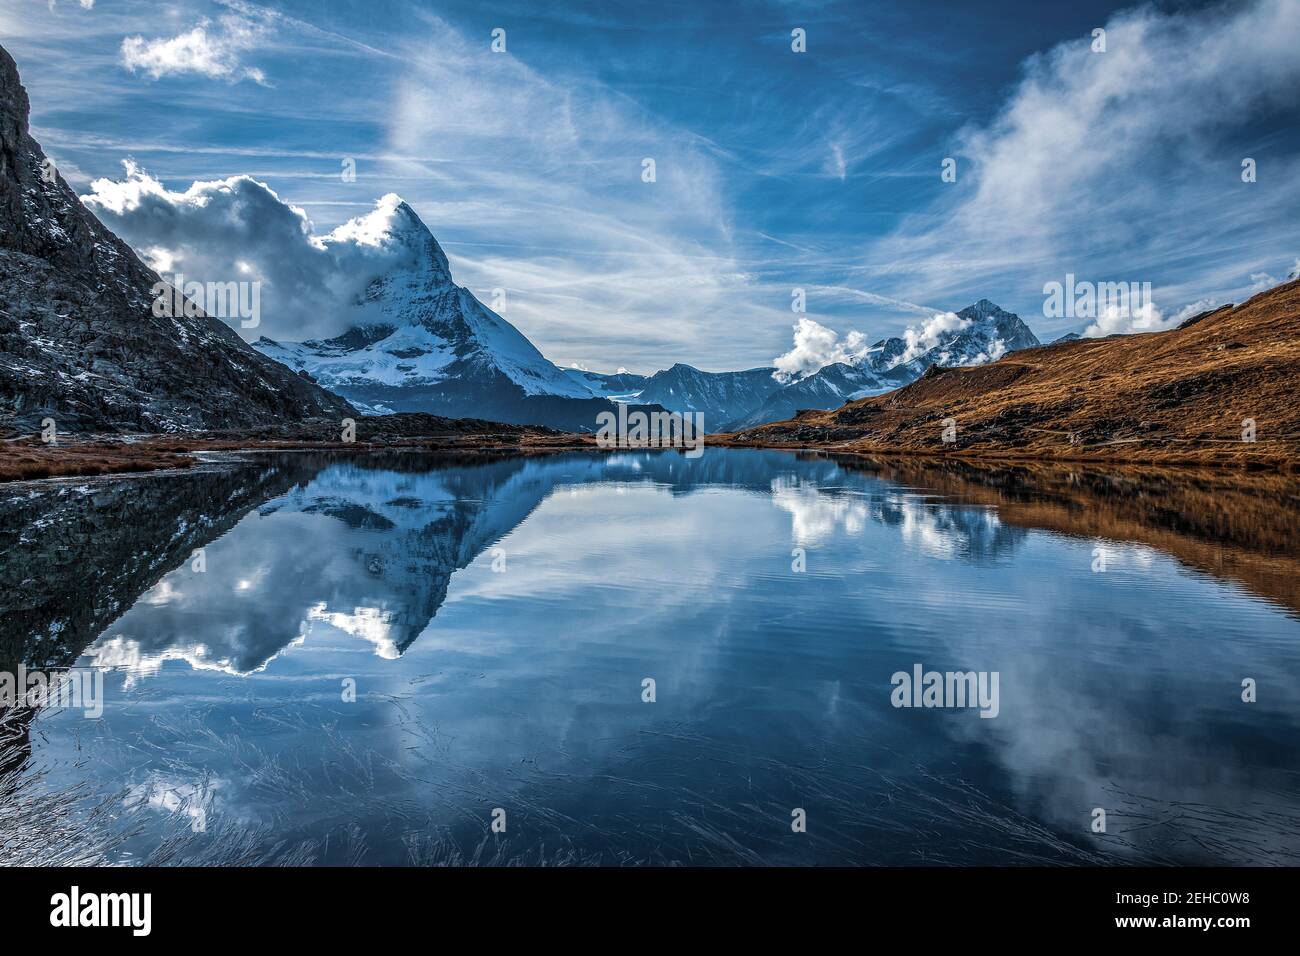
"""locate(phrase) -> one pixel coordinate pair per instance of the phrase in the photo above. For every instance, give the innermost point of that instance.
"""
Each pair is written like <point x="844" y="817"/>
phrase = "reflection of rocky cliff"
<point x="367" y="545"/>
<point x="74" y="556"/>
<point x="78" y="556"/>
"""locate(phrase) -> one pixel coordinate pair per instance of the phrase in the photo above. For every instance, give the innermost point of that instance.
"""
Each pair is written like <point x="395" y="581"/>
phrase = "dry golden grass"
<point x="1175" y="397"/>
<point x="27" y="459"/>
<point x="1178" y="396"/>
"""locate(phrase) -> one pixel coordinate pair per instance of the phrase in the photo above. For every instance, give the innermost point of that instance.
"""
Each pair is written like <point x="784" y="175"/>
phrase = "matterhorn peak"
<point x="394" y="224"/>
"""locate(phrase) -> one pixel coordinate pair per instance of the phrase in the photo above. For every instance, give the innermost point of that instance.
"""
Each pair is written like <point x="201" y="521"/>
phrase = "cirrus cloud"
<point x="1103" y="159"/>
<point x="211" y="50"/>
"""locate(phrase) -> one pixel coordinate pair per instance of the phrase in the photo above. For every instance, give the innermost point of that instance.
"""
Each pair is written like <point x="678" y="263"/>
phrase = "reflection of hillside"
<point x="73" y="557"/>
<point x="1229" y="525"/>
<point x="77" y="556"/>
<point x="368" y="545"/>
<point x="365" y="548"/>
<point x="936" y="528"/>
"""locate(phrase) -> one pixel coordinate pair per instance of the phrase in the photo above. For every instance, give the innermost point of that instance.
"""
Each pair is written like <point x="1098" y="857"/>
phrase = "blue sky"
<point x="775" y="169"/>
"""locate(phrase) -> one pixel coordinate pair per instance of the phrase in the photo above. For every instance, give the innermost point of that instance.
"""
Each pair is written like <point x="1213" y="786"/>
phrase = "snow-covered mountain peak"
<point x="395" y="227"/>
<point x="980" y="333"/>
<point x="1006" y="325"/>
<point x="410" y="231"/>
<point x="413" y="334"/>
<point x="983" y="309"/>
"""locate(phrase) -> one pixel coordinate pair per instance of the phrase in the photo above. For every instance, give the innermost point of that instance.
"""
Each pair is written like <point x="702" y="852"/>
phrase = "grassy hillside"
<point x="1174" y="396"/>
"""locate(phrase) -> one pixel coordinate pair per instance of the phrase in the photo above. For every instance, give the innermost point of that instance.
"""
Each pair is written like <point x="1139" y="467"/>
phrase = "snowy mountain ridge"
<point x="980" y="333"/>
<point x="414" y="328"/>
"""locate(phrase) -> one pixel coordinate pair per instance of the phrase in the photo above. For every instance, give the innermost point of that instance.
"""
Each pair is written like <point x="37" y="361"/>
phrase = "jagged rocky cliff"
<point x="79" y="341"/>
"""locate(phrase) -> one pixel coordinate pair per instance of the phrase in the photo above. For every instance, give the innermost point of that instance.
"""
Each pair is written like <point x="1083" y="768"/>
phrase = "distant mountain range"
<point x="1218" y="387"/>
<point x="79" y="341"/>
<point x="982" y="333"/>
<point x="418" y="342"/>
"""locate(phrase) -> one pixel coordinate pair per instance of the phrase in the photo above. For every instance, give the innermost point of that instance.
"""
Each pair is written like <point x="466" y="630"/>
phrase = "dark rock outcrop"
<point x="79" y="340"/>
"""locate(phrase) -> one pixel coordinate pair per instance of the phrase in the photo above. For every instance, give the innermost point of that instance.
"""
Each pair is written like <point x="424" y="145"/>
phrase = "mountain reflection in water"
<point x="498" y="616"/>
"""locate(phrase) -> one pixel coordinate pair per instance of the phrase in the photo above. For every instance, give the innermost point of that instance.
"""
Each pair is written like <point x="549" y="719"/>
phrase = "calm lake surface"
<point x="498" y="618"/>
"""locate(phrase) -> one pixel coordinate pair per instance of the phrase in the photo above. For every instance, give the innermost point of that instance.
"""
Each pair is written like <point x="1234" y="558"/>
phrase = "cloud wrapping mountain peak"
<point x="239" y="229"/>
<point x="815" y="347"/>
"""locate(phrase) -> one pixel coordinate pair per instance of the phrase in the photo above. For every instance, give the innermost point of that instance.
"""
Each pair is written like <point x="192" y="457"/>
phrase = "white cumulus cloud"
<point x="815" y="347"/>
<point x="1117" y="320"/>
<point x="211" y="50"/>
<point x="920" y="339"/>
<point x="238" y="229"/>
